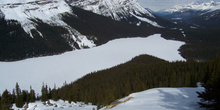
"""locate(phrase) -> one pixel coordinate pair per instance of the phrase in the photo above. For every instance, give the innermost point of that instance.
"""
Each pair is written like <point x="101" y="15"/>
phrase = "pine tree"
<point x="44" y="93"/>
<point x="211" y="95"/>
<point x="13" y="95"/>
<point x="210" y="98"/>
<point x="19" y="98"/>
<point x="32" y="95"/>
<point x="25" y="96"/>
<point x="49" y="93"/>
<point x="6" y="100"/>
<point x="54" y="94"/>
<point x="0" y="101"/>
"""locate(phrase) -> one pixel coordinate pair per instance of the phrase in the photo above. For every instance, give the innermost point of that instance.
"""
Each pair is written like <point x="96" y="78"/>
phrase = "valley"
<point x="87" y="54"/>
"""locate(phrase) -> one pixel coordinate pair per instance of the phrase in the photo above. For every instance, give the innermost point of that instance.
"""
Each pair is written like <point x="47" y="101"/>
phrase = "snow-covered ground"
<point x="152" y="99"/>
<point x="58" y="105"/>
<point x="147" y="20"/>
<point x="73" y="65"/>
<point x="163" y="99"/>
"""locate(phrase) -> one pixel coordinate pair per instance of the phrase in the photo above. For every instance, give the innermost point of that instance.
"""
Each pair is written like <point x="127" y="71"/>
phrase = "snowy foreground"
<point x="58" y="105"/>
<point x="162" y="99"/>
<point x="153" y="99"/>
<point x="73" y="65"/>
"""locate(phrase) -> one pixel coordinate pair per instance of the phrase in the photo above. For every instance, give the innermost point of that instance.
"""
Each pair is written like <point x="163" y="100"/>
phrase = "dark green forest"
<point x="210" y="98"/>
<point x="201" y="44"/>
<point x="141" y="73"/>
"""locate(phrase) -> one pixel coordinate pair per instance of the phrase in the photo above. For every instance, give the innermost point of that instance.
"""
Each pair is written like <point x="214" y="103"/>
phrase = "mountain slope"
<point x="121" y="10"/>
<point x="35" y="28"/>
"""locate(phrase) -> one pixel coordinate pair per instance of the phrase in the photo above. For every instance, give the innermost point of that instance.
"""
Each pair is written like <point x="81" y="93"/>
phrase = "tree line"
<point x="141" y="73"/>
<point x="18" y="97"/>
<point x="21" y="97"/>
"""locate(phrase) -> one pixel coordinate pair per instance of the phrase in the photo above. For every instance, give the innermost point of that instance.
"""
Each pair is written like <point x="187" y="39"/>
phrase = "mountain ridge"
<point x="194" y="15"/>
<point x="129" y="11"/>
<point x="209" y="6"/>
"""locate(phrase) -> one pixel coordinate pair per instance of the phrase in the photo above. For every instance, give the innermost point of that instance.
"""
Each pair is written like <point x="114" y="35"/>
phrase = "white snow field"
<point x="58" y="105"/>
<point x="73" y="65"/>
<point x="162" y="99"/>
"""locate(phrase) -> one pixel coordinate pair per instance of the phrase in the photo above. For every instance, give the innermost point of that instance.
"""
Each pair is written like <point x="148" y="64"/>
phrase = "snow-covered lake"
<point x="73" y="65"/>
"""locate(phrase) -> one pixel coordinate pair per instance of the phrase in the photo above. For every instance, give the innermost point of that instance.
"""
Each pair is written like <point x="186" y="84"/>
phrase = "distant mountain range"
<point x="203" y="15"/>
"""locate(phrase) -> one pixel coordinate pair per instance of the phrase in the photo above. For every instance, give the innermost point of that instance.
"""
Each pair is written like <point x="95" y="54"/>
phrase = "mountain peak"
<point x="129" y="11"/>
<point x="111" y="8"/>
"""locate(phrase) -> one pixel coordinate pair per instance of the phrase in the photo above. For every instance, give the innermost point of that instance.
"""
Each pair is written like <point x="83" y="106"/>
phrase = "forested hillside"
<point x="201" y="43"/>
<point x="141" y="73"/>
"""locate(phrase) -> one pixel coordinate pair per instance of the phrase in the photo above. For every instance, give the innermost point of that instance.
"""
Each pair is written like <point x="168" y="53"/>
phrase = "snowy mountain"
<point x="31" y="28"/>
<point x="112" y="8"/>
<point x="35" y="28"/>
<point x="46" y="11"/>
<point x="199" y="14"/>
<point x="121" y="10"/>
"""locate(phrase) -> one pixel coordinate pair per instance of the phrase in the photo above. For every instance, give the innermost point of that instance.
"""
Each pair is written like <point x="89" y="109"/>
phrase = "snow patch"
<point x="58" y="105"/>
<point x="139" y="23"/>
<point x="153" y="23"/>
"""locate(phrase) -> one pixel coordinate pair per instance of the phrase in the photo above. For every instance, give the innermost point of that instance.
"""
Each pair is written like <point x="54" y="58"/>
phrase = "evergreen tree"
<point x="25" y="96"/>
<point x="19" y="98"/>
<point x="0" y="101"/>
<point x="13" y="95"/>
<point x="6" y="100"/>
<point x="32" y="95"/>
<point x="54" y="94"/>
<point x="210" y="98"/>
<point x="49" y="93"/>
<point x="44" y="93"/>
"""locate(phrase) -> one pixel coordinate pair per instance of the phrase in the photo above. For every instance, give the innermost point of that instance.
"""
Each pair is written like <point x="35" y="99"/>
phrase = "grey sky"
<point x="157" y="5"/>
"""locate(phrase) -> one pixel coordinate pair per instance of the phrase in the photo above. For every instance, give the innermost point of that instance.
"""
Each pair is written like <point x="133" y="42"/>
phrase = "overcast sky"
<point x="157" y="5"/>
